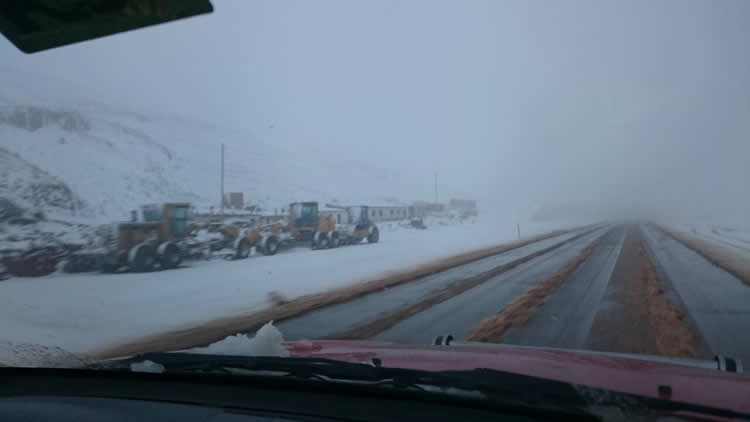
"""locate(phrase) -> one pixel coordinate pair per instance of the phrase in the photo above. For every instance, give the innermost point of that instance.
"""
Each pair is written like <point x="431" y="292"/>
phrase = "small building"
<point x="377" y="213"/>
<point x="388" y="212"/>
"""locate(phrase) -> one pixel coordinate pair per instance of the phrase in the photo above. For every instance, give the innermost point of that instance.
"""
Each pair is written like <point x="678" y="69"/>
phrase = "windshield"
<point x="151" y="213"/>
<point x="296" y="210"/>
<point x="571" y="175"/>
<point x="355" y="214"/>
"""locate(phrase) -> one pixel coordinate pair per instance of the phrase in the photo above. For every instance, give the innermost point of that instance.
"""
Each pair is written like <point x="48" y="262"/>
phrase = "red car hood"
<point x="635" y="376"/>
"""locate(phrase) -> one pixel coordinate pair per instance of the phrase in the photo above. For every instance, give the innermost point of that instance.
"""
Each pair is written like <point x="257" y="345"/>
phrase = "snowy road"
<point x="337" y="318"/>
<point x="459" y="314"/>
<point x="605" y="304"/>
<point x="567" y="316"/>
<point x="717" y="302"/>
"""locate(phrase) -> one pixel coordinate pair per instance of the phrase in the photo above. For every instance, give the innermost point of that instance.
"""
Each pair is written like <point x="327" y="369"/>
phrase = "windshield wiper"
<point x="483" y="380"/>
<point x="489" y="386"/>
<point x="498" y="387"/>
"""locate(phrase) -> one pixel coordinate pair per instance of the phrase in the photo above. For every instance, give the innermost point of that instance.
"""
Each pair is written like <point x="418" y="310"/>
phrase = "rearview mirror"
<point x="36" y="25"/>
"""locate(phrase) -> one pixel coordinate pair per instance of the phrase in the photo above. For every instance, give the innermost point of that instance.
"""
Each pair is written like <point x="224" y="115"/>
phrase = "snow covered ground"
<point x="80" y="312"/>
<point x="735" y="237"/>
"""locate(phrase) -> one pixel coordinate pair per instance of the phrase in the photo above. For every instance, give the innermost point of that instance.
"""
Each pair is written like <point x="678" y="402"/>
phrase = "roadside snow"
<point x="735" y="238"/>
<point x="32" y="355"/>
<point x="147" y="366"/>
<point x="80" y="312"/>
<point x="266" y="342"/>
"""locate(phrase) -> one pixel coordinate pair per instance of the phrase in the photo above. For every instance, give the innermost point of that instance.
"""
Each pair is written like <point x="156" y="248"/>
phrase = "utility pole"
<point x="436" y="190"/>
<point x="518" y="228"/>
<point x="222" y="183"/>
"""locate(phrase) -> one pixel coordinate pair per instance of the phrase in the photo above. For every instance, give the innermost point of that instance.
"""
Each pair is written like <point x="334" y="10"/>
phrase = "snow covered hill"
<point x="105" y="161"/>
<point x="29" y="187"/>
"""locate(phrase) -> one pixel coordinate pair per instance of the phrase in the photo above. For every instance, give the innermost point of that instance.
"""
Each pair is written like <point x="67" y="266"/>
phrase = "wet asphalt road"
<point x="337" y="318"/>
<point x="716" y="301"/>
<point x="566" y="316"/>
<point x="459" y="314"/>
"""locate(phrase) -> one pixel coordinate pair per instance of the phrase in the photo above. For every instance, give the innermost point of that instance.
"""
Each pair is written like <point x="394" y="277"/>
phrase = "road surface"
<point x="718" y="303"/>
<point x="606" y="302"/>
<point x="337" y="318"/>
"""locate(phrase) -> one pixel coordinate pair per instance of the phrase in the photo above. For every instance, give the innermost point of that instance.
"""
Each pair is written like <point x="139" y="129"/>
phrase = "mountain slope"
<point x="113" y="160"/>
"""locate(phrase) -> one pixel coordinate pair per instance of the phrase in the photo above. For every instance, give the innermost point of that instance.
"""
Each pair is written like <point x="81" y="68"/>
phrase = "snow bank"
<point x="735" y="237"/>
<point x="267" y="342"/>
<point x="32" y="355"/>
<point x="147" y="366"/>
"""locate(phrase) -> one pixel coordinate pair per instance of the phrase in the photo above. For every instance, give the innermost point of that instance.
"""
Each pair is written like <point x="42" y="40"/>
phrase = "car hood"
<point x="634" y="374"/>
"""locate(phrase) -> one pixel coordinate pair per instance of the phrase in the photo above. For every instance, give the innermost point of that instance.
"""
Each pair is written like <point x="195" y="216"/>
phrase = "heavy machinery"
<point x="357" y="228"/>
<point x="161" y="238"/>
<point x="266" y="238"/>
<point x="306" y="224"/>
<point x="156" y="240"/>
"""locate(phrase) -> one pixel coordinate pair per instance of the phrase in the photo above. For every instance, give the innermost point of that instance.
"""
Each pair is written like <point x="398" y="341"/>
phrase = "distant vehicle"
<point x="306" y="225"/>
<point x="359" y="226"/>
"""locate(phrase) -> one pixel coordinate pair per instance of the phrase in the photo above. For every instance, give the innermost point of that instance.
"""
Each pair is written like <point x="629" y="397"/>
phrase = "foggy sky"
<point x="638" y="108"/>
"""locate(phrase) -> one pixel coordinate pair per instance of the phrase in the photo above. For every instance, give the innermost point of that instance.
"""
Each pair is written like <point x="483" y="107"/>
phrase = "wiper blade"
<point x="484" y="380"/>
<point x="496" y="386"/>
<point x="482" y="384"/>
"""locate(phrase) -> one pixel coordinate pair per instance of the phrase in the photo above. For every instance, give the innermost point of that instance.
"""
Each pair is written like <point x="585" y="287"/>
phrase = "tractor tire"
<point x="374" y="236"/>
<point x="271" y="246"/>
<point x="323" y="241"/>
<point x="144" y="258"/>
<point x="335" y="241"/>
<point x="243" y="249"/>
<point x="171" y="257"/>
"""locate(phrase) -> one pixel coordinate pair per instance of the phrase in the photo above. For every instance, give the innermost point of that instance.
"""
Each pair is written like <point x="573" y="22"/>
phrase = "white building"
<point x="339" y="215"/>
<point x="389" y="212"/>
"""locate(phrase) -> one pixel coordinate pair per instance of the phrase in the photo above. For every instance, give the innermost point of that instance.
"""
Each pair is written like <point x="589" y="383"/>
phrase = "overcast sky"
<point x="638" y="106"/>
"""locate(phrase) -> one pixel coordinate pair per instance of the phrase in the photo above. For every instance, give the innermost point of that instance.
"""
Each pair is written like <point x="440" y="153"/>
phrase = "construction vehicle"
<point x="306" y="224"/>
<point x="358" y="227"/>
<point x="266" y="238"/>
<point x="161" y="238"/>
<point x="156" y="240"/>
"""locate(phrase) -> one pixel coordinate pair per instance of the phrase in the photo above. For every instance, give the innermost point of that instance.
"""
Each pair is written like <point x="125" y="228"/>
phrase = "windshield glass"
<point x="296" y="210"/>
<point x="355" y="214"/>
<point x="571" y="175"/>
<point x="151" y="213"/>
